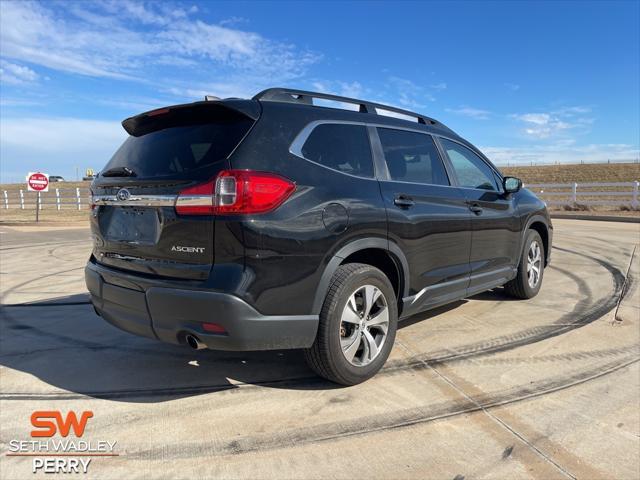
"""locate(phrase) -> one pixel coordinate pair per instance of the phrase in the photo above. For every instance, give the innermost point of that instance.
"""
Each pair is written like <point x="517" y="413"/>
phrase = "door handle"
<point x="403" y="201"/>
<point x="475" y="208"/>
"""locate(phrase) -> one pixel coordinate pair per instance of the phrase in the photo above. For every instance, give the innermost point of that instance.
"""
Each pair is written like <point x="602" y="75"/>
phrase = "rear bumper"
<point x="169" y="314"/>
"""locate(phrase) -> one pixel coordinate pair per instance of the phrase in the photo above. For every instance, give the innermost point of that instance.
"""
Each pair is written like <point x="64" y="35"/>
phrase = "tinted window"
<point x="470" y="169"/>
<point x="190" y="151"/>
<point x="341" y="147"/>
<point x="412" y="157"/>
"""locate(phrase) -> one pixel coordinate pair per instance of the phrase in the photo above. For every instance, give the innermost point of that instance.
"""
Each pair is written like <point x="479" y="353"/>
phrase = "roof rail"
<point x="290" y="95"/>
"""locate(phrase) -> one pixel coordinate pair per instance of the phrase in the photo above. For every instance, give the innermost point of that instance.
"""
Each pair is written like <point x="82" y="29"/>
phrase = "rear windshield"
<point x="183" y="152"/>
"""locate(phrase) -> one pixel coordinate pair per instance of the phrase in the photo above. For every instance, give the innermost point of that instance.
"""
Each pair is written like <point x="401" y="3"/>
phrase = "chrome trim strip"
<point x="194" y="200"/>
<point x="414" y="298"/>
<point x="136" y="200"/>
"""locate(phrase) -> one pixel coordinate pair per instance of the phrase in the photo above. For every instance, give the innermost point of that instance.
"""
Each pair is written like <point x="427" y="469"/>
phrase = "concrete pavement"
<point x="488" y="387"/>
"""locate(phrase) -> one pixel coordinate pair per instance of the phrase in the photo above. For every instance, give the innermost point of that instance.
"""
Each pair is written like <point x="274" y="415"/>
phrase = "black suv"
<point x="281" y="222"/>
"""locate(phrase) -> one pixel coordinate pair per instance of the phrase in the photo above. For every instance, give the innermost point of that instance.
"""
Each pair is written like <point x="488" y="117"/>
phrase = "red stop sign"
<point x="38" y="182"/>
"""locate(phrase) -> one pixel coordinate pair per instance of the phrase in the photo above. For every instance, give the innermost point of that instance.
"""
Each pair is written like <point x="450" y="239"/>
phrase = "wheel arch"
<point x="541" y="225"/>
<point x="378" y="252"/>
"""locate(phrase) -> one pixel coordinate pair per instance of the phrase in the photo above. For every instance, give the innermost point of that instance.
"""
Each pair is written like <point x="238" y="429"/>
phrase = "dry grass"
<point x="582" y="173"/>
<point x="46" y="215"/>
<point x="69" y="212"/>
<point x="14" y="187"/>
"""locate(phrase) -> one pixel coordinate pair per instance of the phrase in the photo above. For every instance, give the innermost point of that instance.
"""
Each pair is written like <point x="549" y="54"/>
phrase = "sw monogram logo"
<point x="48" y="423"/>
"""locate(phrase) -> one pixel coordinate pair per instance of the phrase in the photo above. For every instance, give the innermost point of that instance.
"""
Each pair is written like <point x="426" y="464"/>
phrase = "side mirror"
<point x="511" y="184"/>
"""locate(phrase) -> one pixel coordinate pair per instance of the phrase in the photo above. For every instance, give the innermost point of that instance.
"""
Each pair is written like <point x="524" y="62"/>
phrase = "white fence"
<point x="618" y="194"/>
<point x="55" y="198"/>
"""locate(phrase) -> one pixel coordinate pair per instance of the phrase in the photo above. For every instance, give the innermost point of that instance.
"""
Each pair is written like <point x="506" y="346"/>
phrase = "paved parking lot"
<point x="485" y="388"/>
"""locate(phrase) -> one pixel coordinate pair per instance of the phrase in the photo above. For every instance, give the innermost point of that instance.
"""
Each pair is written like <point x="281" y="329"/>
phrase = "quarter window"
<point x="412" y="157"/>
<point x="341" y="147"/>
<point x="471" y="170"/>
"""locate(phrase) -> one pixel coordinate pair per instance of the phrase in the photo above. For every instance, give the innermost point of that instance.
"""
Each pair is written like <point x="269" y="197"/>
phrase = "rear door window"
<point x="412" y="157"/>
<point x="341" y="147"/>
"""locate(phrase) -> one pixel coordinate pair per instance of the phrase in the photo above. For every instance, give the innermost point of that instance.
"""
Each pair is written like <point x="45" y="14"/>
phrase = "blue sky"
<point x="524" y="81"/>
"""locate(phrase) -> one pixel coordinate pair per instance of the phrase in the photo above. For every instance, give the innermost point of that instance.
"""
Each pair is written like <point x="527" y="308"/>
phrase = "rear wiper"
<point x="118" y="172"/>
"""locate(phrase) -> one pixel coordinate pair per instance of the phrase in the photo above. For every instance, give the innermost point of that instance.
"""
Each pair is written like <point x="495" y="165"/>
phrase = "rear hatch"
<point x="134" y="221"/>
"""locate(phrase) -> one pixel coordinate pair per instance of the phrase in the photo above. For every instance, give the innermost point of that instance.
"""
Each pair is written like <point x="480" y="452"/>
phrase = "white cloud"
<point x="554" y="124"/>
<point x="438" y="86"/>
<point x="409" y="94"/>
<point x="233" y="21"/>
<point x="14" y="74"/>
<point x="106" y="40"/>
<point x="475" y="113"/>
<point x="514" y="87"/>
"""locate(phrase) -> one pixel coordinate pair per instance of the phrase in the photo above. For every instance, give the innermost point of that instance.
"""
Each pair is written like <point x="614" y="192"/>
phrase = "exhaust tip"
<point x="194" y="342"/>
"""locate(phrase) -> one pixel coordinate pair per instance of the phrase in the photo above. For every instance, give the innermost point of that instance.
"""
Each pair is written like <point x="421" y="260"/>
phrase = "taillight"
<point x="236" y="192"/>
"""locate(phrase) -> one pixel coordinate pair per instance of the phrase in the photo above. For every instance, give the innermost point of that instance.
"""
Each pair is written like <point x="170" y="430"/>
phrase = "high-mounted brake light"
<point x="236" y="192"/>
<point x="159" y="111"/>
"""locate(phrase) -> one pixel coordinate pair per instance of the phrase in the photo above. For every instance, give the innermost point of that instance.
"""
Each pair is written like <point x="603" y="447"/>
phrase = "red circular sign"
<point x="38" y="181"/>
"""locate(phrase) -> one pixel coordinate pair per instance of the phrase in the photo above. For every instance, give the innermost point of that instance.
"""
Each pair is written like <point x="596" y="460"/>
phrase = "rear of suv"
<point x="278" y="223"/>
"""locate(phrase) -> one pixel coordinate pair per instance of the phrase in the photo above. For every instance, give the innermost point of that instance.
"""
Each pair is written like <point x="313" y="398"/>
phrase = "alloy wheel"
<point x="534" y="264"/>
<point x="364" y="325"/>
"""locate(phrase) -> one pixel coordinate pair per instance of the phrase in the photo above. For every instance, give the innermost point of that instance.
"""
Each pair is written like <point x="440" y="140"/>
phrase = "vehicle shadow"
<point x="497" y="294"/>
<point x="65" y="344"/>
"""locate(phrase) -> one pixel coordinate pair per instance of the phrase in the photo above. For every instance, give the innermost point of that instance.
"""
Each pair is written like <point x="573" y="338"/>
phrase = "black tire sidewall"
<point x="353" y="373"/>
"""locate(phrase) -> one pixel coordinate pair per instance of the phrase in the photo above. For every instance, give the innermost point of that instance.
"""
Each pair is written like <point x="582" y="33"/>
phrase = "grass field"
<point x="600" y="172"/>
<point x="49" y="213"/>
<point x="615" y="172"/>
<point x="581" y="173"/>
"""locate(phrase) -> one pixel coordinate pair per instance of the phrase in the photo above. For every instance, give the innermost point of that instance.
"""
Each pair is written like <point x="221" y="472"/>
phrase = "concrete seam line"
<point x="499" y="421"/>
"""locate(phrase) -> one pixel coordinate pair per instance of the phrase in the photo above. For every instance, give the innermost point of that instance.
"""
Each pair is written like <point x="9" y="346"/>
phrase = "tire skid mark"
<point x="585" y="312"/>
<point x="48" y="244"/>
<point x="565" y="324"/>
<point x="54" y="253"/>
<point x="564" y="357"/>
<point x="32" y="280"/>
<point x="376" y="423"/>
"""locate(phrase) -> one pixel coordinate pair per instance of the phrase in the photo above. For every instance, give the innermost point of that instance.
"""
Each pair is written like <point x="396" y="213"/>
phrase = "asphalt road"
<point x="485" y="388"/>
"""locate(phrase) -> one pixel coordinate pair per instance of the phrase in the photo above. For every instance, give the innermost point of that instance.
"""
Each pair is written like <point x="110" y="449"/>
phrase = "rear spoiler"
<point x="191" y="114"/>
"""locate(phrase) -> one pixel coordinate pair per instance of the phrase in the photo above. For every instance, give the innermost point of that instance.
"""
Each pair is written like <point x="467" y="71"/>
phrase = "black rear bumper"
<point x="170" y="314"/>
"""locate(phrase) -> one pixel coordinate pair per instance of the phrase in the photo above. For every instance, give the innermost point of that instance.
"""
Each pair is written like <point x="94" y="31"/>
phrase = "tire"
<point x="339" y="328"/>
<point x="520" y="287"/>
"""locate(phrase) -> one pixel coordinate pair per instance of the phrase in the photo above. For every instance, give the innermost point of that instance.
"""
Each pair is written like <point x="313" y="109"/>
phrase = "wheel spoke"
<point x="351" y="349"/>
<point x="371" y="348"/>
<point x="371" y="294"/>
<point x="350" y="313"/>
<point x="380" y="320"/>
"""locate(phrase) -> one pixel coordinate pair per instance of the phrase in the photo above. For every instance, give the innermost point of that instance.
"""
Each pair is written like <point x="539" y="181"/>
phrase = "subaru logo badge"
<point x="123" y="195"/>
